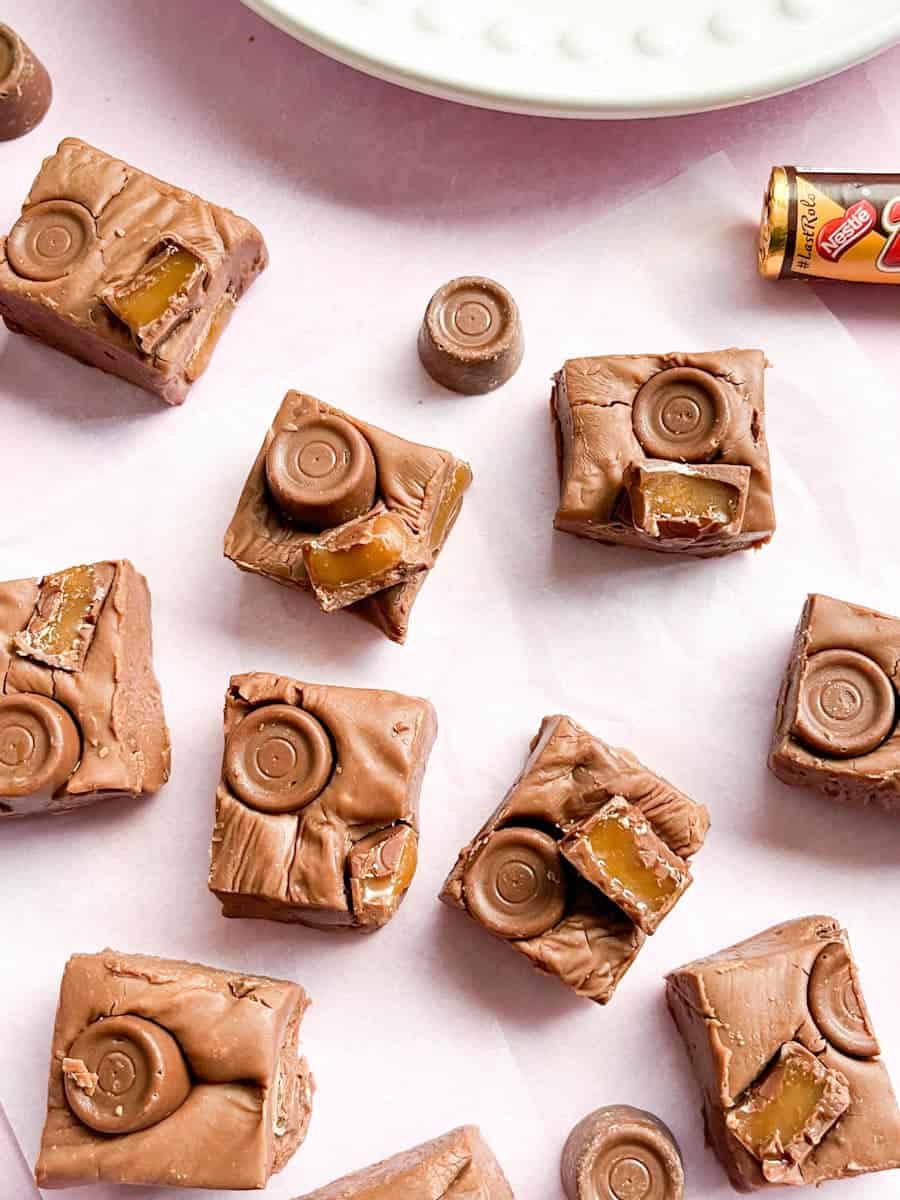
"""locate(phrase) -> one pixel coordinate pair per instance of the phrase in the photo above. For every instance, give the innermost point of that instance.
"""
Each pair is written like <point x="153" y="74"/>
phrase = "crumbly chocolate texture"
<point x="80" y="707"/>
<point x="835" y="720"/>
<point x="457" y="1166"/>
<point x="249" y="1098"/>
<point x="615" y="414"/>
<point x="620" y="1151"/>
<point x="25" y="87"/>
<point x="513" y="880"/>
<point x="418" y="488"/>
<point x="737" y="1011"/>
<point x="89" y="228"/>
<point x="341" y="853"/>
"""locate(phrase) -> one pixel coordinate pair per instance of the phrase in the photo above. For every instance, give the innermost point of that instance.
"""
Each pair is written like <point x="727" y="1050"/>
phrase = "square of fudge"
<point x="781" y="1044"/>
<point x="81" y="716"/>
<point x="344" y="509"/>
<point x="123" y="271"/>
<point x="836" y="716"/>
<point x="172" y="1074"/>
<point x="458" y="1166"/>
<point x="317" y="809"/>
<point x="524" y="878"/>
<point x="665" y="452"/>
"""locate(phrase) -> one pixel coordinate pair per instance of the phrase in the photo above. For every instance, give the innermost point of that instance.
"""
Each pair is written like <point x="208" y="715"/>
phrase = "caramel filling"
<point x="200" y="359"/>
<point x="60" y="632"/>
<point x="615" y="846"/>
<point x="786" y="1114"/>
<point x="381" y="546"/>
<point x="449" y="505"/>
<point x="678" y="496"/>
<point x="155" y="289"/>
<point x="386" y="890"/>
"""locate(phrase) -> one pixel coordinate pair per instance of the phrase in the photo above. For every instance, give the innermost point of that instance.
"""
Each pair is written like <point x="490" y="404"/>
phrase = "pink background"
<point x="369" y="196"/>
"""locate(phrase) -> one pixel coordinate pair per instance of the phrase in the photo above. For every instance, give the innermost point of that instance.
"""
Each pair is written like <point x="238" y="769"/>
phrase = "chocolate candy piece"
<point x="837" y="1005"/>
<point x="515" y="885"/>
<point x="459" y="1164"/>
<point x="39" y="746"/>
<point x="786" y="1115"/>
<point x="196" y="1082"/>
<point x="322" y="473"/>
<point x="622" y="1153"/>
<point x="847" y="704"/>
<point x="64" y="620"/>
<point x="681" y="414"/>
<point x="617" y="850"/>
<point x="471" y="336"/>
<point x="137" y="277"/>
<point x="373" y="563"/>
<point x="381" y="868"/>
<point x="278" y="759"/>
<point x="510" y="878"/>
<point x="25" y="88"/>
<point x="49" y="240"/>
<point x="123" y="1074"/>
<point x="691" y="504"/>
<point x="626" y="425"/>
<point x="783" y="1101"/>
<point x="82" y="636"/>
<point x="317" y="808"/>
<point x="836" y="716"/>
<point x="165" y="292"/>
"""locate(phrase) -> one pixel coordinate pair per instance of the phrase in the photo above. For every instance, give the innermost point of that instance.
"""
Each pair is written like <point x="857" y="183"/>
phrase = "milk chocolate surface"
<point x="317" y="810"/>
<point x="836" y="716"/>
<point x="522" y="878"/>
<point x="173" y="1075"/>
<point x="619" y="1152"/>
<point x="123" y="271"/>
<point x="457" y="1166"/>
<point x="81" y="716"/>
<point x="471" y="335"/>
<point x="25" y="87"/>
<point x="776" y="1028"/>
<point x="620" y="420"/>
<point x="342" y="508"/>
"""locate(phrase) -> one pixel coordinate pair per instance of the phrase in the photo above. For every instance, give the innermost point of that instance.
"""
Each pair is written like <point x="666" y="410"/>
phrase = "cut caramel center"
<point x="789" y="1111"/>
<point x="381" y="546"/>
<point x="450" y="504"/>
<point x="387" y="889"/>
<point x="154" y="290"/>
<point x="61" y="630"/>
<point x="677" y="495"/>
<point x="614" y="844"/>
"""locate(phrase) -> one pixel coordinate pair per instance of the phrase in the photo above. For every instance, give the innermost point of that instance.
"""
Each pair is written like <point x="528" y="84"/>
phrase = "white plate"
<point x="594" y="58"/>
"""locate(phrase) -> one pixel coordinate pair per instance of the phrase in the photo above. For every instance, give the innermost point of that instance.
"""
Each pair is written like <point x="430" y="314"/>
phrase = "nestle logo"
<point x="839" y="234"/>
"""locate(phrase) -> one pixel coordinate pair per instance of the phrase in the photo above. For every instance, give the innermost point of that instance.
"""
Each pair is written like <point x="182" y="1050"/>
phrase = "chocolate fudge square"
<point x="665" y="452"/>
<point x="776" y="1028"/>
<point x="81" y="717"/>
<point x="836" y="717"/>
<point x="339" y="507"/>
<point x="123" y="271"/>
<point x="317" y="809"/>
<point x="172" y="1074"/>
<point x="568" y="870"/>
<point x="457" y="1166"/>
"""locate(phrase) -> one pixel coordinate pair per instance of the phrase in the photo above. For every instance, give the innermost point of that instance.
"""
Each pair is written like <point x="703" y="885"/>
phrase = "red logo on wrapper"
<point x="840" y="233"/>
<point x="889" y="259"/>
